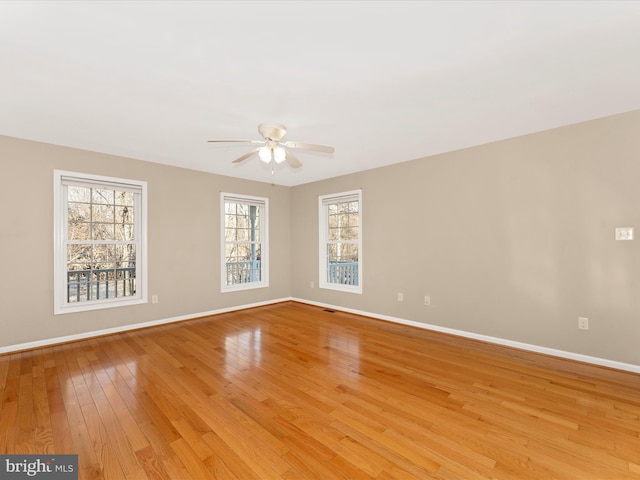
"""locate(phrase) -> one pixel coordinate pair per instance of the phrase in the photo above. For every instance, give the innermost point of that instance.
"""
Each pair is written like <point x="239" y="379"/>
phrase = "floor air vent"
<point x="329" y="310"/>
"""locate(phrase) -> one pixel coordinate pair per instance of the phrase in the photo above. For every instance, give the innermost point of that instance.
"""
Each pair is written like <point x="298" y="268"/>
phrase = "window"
<point x="245" y="254"/>
<point x="341" y="241"/>
<point x="99" y="242"/>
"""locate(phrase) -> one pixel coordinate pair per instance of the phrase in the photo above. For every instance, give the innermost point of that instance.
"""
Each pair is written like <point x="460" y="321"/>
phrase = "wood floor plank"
<point x="106" y="457"/>
<point x="4" y="374"/>
<point x="190" y="459"/>
<point x="290" y="391"/>
<point x="8" y="422"/>
<point x="25" y="434"/>
<point x="233" y="461"/>
<point x="175" y="468"/>
<point x="152" y="464"/>
<point x="260" y="457"/>
<point x="43" y="434"/>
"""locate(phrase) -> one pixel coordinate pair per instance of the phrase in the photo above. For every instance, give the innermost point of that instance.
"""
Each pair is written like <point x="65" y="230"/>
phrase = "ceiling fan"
<point x="272" y="149"/>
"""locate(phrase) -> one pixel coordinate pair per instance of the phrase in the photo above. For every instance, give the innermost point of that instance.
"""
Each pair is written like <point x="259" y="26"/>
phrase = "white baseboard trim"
<point x="108" y="331"/>
<point x="486" y="338"/>
<point x="460" y="333"/>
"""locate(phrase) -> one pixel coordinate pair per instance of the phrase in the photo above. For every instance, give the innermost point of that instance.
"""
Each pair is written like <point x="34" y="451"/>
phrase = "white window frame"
<point x="263" y="204"/>
<point x="60" y="236"/>
<point x="323" y="202"/>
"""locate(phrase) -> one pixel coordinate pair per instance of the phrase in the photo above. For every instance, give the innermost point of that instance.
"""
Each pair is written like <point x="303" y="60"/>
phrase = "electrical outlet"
<point x="312" y="285"/>
<point x="400" y="297"/>
<point x="427" y="300"/>
<point x="154" y="298"/>
<point x="624" y="233"/>
<point x="583" y="323"/>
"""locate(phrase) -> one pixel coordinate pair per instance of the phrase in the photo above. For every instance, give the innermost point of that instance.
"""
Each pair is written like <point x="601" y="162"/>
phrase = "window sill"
<point x="88" y="306"/>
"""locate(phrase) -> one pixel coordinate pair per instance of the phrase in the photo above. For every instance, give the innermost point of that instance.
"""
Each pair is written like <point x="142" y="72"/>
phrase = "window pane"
<point x="79" y="231"/>
<point x="103" y="231"/>
<point x="77" y="286"/>
<point x="99" y="195"/>
<point x="125" y="282"/>
<point x="241" y="221"/>
<point x="343" y="207"/>
<point x="78" y="212"/>
<point x="102" y="213"/>
<point x="242" y="234"/>
<point x="78" y="215"/>
<point x="229" y="234"/>
<point x="243" y="264"/>
<point x="350" y="233"/>
<point x="342" y="252"/>
<point x="100" y="271"/>
<point x="79" y="256"/>
<point x="125" y="232"/>
<point x="242" y="209"/>
<point x="342" y="264"/>
<point x="124" y="255"/>
<point x="125" y="198"/>
<point x="124" y="215"/>
<point x="243" y="252"/>
<point x="79" y="194"/>
<point x="102" y="284"/>
<point x="343" y="227"/>
<point x="103" y="255"/>
<point x="231" y="253"/>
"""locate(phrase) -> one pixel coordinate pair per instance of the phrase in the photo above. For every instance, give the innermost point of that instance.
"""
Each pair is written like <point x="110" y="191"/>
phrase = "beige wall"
<point x="183" y="245"/>
<point x="513" y="239"/>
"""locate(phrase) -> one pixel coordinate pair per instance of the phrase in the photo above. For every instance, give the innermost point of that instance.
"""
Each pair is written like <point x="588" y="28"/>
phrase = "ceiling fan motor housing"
<point x="272" y="131"/>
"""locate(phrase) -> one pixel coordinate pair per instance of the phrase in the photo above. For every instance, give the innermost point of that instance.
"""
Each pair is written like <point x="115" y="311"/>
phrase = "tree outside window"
<point x="244" y="242"/>
<point x="341" y="241"/>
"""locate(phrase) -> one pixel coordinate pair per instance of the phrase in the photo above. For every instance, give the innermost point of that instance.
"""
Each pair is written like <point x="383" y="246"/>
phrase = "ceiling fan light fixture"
<point x="272" y="150"/>
<point x="279" y="154"/>
<point x="265" y="154"/>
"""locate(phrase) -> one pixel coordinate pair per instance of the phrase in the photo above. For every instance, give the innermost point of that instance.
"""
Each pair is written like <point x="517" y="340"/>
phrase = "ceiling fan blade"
<point x="236" y="141"/>
<point x="245" y="156"/>
<point x="310" y="146"/>
<point x="292" y="161"/>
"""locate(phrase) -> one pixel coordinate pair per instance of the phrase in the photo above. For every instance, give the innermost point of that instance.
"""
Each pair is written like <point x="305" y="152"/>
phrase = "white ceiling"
<point x="383" y="82"/>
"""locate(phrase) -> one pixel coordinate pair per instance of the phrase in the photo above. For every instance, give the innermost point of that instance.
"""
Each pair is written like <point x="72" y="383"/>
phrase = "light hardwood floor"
<point x="290" y="391"/>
